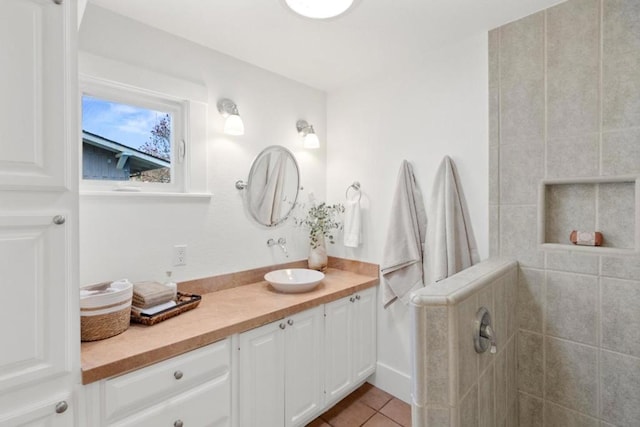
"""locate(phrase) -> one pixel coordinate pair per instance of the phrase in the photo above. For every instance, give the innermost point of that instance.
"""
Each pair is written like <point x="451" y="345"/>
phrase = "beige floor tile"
<point x="348" y="414"/>
<point x="372" y="396"/>
<point x="360" y="409"/>
<point x="398" y="411"/>
<point x="318" y="422"/>
<point x="379" y="420"/>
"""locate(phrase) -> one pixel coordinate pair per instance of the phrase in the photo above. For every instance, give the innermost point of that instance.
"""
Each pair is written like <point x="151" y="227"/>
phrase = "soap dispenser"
<point x="171" y="285"/>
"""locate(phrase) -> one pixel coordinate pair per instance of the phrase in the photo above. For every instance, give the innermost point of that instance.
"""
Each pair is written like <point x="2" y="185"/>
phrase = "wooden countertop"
<point x="219" y="315"/>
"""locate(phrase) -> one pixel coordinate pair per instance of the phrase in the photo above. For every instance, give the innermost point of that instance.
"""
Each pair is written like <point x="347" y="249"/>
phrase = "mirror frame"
<point x="247" y="186"/>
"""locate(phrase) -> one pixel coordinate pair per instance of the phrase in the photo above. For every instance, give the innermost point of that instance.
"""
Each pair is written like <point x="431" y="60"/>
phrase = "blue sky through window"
<point x="122" y="123"/>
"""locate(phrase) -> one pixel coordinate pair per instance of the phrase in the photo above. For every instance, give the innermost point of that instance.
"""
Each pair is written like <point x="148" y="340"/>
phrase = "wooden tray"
<point x="184" y="302"/>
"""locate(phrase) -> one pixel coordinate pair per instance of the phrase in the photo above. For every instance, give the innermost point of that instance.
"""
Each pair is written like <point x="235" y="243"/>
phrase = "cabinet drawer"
<point x="207" y="405"/>
<point x="148" y="386"/>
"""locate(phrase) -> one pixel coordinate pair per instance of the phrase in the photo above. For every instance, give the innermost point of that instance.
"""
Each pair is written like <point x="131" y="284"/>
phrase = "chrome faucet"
<point x="486" y="331"/>
<point x="282" y="242"/>
<point x="484" y="337"/>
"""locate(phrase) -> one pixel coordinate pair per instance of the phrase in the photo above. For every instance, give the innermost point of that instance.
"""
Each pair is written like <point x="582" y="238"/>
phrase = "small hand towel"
<point x="352" y="224"/>
<point x="451" y="246"/>
<point x="149" y="294"/>
<point x="402" y="259"/>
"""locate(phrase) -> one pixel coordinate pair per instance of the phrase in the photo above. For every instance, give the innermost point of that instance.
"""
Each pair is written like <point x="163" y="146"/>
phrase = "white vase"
<point x="318" y="259"/>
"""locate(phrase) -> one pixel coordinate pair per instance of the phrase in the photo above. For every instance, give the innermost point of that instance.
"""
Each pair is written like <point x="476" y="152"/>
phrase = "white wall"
<point x="133" y="236"/>
<point x="430" y="108"/>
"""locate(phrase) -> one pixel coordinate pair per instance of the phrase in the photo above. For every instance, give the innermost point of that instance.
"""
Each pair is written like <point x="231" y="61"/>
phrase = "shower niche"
<point x="609" y="205"/>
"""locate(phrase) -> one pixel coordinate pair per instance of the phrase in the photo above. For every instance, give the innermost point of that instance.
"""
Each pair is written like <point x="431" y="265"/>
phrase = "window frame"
<point x="144" y="98"/>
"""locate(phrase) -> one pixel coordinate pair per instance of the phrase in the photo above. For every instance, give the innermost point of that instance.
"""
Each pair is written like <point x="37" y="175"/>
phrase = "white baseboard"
<point x="392" y="381"/>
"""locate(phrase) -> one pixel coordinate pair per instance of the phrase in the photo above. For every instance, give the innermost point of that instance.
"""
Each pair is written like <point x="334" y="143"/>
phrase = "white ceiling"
<point x="371" y="38"/>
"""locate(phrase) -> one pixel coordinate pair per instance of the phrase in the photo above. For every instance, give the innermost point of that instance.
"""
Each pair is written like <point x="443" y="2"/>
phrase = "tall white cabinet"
<point x="39" y="352"/>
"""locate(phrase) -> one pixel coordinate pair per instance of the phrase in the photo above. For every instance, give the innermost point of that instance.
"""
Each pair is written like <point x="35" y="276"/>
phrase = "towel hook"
<point x="356" y="187"/>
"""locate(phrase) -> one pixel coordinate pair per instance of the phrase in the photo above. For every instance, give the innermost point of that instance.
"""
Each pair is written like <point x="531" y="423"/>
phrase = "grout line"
<point x="591" y="346"/>
<point x="544" y="283"/>
<point x="560" y="405"/>
<point x="601" y="88"/>
<point x="597" y="203"/>
<point x="545" y="84"/>
<point x="498" y="240"/>
<point x="372" y="415"/>
<point x="598" y="351"/>
<point x="519" y="205"/>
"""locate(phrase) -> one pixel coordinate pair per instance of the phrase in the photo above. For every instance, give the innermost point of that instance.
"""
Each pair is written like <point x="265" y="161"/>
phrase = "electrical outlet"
<point x="179" y="255"/>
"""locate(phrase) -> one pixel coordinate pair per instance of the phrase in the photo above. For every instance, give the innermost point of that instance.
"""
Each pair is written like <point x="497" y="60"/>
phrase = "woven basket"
<point x="103" y="315"/>
<point x="103" y="326"/>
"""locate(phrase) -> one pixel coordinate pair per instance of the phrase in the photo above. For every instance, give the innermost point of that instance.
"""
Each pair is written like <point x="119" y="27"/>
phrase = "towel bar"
<point x="356" y="187"/>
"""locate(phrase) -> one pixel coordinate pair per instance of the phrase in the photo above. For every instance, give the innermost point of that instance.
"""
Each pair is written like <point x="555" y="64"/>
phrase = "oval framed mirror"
<point x="271" y="191"/>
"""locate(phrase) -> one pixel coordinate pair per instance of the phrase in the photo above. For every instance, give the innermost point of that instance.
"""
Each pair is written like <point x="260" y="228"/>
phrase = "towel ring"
<point x="356" y="187"/>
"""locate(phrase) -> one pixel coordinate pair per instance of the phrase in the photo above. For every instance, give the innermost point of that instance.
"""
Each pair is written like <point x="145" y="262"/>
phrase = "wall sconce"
<point x="305" y="130"/>
<point x="229" y="110"/>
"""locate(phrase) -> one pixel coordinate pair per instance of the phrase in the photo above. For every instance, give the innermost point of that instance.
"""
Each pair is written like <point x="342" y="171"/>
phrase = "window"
<point x="175" y="112"/>
<point x="131" y="139"/>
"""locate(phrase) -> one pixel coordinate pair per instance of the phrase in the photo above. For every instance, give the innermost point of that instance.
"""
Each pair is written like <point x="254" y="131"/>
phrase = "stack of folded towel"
<point x="151" y="298"/>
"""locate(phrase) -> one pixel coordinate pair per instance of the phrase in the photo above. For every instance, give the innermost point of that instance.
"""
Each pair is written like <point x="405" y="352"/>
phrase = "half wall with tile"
<point x="452" y="384"/>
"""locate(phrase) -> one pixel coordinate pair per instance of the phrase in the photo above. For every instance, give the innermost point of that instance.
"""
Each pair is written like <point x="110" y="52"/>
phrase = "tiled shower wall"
<point x="565" y="103"/>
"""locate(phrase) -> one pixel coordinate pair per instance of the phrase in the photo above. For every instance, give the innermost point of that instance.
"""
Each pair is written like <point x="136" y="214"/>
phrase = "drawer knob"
<point x="178" y="423"/>
<point x="358" y="297"/>
<point x="59" y="219"/>
<point x="352" y="299"/>
<point x="61" y="407"/>
<point x="290" y="322"/>
<point x="177" y="375"/>
<point x="282" y="325"/>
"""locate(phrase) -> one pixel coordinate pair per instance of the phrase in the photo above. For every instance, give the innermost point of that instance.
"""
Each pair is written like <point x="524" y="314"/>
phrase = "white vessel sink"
<point x="294" y="280"/>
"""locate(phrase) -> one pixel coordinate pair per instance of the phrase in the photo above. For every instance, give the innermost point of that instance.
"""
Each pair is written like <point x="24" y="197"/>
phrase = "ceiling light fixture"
<point x="229" y="110"/>
<point x="305" y="130"/>
<point x="319" y="9"/>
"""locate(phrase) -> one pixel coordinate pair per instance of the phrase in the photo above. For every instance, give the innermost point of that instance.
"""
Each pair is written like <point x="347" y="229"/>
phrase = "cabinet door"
<point x="34" y="327"/>
<point x="338" y="356"/>
<point x="33" y="86"/>
<point x="43" y="414"/>
<point x="261" y="376"/>
<point x="364" y="334"/>
<point x="304" y="396"/>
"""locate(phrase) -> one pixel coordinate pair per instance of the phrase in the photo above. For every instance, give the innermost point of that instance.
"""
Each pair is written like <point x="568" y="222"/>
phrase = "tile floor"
<point x="368" y="406"/>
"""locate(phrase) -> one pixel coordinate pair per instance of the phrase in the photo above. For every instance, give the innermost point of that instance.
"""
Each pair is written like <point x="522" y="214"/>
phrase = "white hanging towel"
<point x="352" y="223"/>
<point x="402" y="260"/>
<point x="451" y="246"/>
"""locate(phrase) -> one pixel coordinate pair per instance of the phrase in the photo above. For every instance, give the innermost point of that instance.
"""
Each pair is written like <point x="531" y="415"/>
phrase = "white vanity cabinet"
<point x="280" y="371"/>
<point x="190" y="390"/>
<point x="349" y="343"/>
<point x="39" y="321"/>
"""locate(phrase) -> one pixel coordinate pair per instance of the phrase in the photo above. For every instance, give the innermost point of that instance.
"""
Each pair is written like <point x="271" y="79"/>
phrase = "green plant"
<point x="321" y="221"/>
